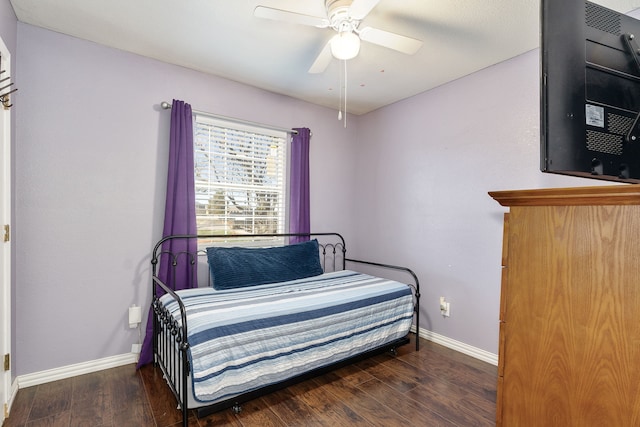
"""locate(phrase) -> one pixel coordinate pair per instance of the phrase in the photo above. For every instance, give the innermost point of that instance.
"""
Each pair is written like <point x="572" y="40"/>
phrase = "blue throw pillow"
<point x="240" y="267"/>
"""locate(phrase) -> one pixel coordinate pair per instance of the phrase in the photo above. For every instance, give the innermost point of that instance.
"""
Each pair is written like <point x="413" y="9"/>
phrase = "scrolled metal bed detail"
<point x="393" y="310"/>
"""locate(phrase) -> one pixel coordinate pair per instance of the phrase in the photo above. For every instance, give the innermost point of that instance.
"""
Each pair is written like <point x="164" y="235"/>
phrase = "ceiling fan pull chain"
<point x="345" y="93"/>
<point x="340" y="93"/>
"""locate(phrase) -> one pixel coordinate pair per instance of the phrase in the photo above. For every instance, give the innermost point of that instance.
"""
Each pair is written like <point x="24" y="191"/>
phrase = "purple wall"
<point x="8" y="26"/>
<point x="427" y="164"/>
<point x="90" y="184"/>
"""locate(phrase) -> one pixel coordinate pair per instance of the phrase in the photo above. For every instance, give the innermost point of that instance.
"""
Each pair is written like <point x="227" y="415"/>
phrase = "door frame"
<point x="6" y="395"/>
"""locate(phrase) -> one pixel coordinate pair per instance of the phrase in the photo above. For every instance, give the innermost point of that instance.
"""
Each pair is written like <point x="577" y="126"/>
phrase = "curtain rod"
<point x="167" y="106"/>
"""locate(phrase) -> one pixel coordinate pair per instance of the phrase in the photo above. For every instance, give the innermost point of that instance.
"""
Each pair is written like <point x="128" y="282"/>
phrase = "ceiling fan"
<point x="344" y="17"/>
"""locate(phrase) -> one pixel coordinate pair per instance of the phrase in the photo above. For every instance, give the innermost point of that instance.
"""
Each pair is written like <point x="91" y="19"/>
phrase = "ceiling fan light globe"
<point x="345" y="45"/>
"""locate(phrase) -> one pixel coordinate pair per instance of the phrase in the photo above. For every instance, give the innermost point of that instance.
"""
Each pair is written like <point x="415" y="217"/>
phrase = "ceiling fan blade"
<point x="361" y="8"/>
<point x="393" y="41"/>
<point x="322" y="61"/>
<point x="287" y="16"/>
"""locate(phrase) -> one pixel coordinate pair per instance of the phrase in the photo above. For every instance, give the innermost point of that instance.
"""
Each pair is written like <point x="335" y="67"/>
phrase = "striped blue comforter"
<point x="244" y="339"/>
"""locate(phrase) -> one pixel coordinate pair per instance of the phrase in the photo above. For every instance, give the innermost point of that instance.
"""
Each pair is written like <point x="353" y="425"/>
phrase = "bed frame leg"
<point x="236" y="408"/>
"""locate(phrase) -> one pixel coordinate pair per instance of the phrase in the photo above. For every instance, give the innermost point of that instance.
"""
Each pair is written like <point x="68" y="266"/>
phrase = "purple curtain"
<point x="179" y="215"/>
<point x="299" y="206"/>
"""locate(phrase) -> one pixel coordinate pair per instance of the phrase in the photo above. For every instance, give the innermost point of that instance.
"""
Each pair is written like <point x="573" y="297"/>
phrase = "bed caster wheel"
<point x="236" y="408"/>
<point x="393" y="351"/>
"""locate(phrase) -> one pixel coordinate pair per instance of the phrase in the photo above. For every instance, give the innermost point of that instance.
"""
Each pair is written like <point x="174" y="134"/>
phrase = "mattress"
<point x="244" y="339"/>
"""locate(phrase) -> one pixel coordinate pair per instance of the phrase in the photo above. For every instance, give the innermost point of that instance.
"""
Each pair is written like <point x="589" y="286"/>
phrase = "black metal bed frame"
<point x="170" y="345"/>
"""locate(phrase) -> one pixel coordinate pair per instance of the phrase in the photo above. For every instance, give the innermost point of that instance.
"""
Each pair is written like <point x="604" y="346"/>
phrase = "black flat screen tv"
<point x="590" y="91"/>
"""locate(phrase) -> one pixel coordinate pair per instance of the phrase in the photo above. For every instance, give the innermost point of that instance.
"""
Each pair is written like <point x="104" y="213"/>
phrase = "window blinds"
<point x="240" y="176"/>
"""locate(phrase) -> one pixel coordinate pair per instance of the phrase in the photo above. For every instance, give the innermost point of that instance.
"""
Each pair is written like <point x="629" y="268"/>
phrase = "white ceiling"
<point x="222" y="37"/>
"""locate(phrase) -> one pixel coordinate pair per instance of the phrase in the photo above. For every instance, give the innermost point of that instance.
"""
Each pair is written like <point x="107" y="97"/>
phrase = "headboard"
<point x="172" y="253"/>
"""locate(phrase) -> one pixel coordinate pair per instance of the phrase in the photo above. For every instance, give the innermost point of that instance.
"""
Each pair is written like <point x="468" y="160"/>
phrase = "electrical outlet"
<point x="135" y="316"/>
<point x="445" y="307"/>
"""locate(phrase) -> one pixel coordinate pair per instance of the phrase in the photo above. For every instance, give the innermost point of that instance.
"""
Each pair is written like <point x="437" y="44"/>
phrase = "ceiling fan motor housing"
<point x="338" y="14"/>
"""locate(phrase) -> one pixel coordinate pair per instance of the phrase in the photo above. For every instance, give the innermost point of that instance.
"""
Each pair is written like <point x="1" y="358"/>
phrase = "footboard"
<point x="170" y="342"/>
<point x="170" y="346"/>
<point x="415" y="286"/>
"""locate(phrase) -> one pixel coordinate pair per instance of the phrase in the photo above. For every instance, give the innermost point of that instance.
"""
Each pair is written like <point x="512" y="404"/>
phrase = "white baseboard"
<point x="475" y="352"/>
<point x="69" y="371"/>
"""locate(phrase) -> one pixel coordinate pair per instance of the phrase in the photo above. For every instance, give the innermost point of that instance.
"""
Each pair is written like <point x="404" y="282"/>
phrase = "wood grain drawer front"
<point x="571" y="317"/>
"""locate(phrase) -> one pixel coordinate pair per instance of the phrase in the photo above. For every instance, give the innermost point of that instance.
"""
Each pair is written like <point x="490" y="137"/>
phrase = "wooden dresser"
<point x="569" y="352"/>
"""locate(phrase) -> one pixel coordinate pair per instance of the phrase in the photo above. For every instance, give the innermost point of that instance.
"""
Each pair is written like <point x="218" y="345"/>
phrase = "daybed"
<point x="269" y="317"/>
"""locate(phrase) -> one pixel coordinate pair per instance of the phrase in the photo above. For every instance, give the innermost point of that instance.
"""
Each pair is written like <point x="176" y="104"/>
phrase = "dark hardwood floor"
<point x="433" y="387"/>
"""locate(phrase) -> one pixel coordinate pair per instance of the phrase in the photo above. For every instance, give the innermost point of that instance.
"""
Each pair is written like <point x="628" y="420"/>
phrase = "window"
<point x="240" y="177"/>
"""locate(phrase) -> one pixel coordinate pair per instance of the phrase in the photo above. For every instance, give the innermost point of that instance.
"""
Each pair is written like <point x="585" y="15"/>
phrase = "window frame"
<point x="202" y="119"/>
